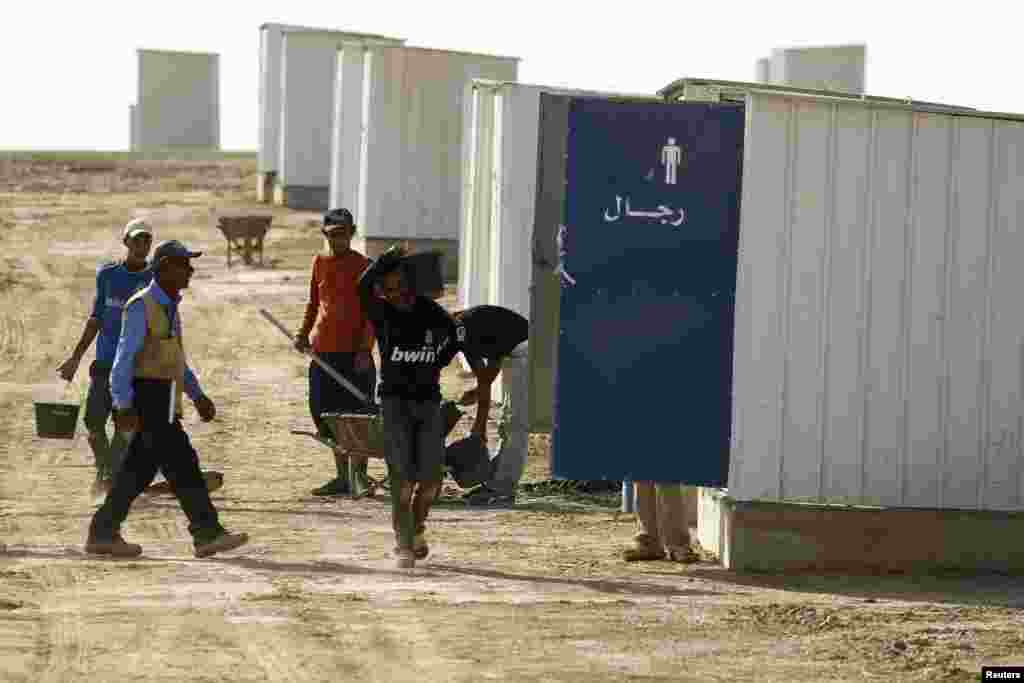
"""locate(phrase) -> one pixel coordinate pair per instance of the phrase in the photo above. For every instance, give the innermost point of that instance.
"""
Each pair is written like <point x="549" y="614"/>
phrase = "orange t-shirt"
<point x="334" y="312"/>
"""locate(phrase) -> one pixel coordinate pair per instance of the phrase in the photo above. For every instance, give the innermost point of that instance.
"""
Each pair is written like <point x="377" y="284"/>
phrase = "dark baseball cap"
<point x="172" y="248"/>
<point x="339" y="217"/>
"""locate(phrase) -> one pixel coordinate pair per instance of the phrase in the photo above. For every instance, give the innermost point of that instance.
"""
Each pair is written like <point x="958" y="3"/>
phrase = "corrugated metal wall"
<point x="271" y="48"/>
<point x="269" y="99"/>
<point x="414" y="148"/>
<point x="500" y="183"/>
<point x="308" y="63"/>
<point x="478" y="173"/>
<point x="879" y="329"/>
<point x="178" y="102"/>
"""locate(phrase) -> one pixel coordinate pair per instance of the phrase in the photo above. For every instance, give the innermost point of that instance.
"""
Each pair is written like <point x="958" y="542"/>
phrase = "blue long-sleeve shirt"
<point x="133" y="334"/>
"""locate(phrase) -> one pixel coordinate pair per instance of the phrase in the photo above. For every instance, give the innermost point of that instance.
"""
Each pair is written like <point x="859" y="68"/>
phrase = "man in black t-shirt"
<point x="416" y="339"/>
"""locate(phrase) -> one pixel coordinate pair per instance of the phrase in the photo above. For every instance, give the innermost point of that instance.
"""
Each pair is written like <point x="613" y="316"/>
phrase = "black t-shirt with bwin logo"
<point x="414" y="347"/>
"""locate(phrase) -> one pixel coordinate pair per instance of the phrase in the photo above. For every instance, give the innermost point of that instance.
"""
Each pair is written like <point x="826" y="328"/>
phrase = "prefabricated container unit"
<point x="397" y="147"/>
<point x="308" y="63"/>
<point x="500" y="260"/>
<point x="832" y="67"/>
<point x="272" y="38"/>
<point x="178" y="102"/>
<point x="879" y="336"/>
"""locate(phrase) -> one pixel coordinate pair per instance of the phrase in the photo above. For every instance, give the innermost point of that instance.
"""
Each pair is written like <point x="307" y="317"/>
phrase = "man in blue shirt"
<point x="149" y="376"/>
<point x="115" y="283"/>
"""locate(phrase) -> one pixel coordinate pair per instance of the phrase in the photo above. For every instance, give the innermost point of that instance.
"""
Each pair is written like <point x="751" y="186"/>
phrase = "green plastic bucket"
<point x="56" y="420"/>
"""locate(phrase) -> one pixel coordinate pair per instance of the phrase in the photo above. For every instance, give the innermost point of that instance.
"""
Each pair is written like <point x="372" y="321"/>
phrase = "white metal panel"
<point x="966" y="318"/>
<point x="760" y="335"/>
<point x="926" y="372"/>
<point x="808" y="230"/>
<point x="348" y="125"/>
<point x="269" y="152"/>
<point x="853" y="144"/>
<point x="512" y="261"/>
<point x="1004" y="480"/>
<point x="475" y="244"/>
<point x="883" y="438"/>
<point x="879" y="354"/>
<point x="415" y="155"/>
<point x="178" y="103"/>
<point x="384" y="164"/>
<point x="307" y="109"/>
<point x="271" y="45"/>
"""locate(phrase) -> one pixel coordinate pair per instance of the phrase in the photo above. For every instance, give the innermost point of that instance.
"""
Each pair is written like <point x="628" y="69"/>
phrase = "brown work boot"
<point x="117" y="547"/>
<point x="221" y="542"/>
<point x="643" y="552"/>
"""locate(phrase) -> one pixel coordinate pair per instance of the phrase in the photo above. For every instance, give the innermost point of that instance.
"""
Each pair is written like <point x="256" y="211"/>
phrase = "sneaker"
<point x="642" y="552"/>
<point x="221" y="542"/>
<point x="117" y="547"/>
<point x="335" y="487"/>
<point x="405" y="558"/>
<point x="419" y="547"/>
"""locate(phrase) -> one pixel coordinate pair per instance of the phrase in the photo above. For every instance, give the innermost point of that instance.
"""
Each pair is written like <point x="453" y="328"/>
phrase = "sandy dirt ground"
<point x="533" y="593"/>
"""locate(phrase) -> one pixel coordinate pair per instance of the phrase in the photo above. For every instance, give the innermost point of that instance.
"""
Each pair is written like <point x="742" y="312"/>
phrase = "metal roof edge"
<point x="560" y="90"/>
<point x="461" y="52"/>
<point x="196" y="53"/>
<point x="295" y="28"/>
<point x="839" y="46"/>
<point x="670" y="91"/>
<point x="674" y="89"/>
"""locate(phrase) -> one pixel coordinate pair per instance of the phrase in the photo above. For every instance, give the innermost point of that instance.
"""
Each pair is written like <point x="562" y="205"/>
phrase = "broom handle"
<point x="316" y="359"/>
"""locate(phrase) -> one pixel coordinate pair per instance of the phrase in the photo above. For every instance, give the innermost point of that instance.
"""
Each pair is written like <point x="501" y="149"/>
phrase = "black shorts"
<point x="414" y="434"/>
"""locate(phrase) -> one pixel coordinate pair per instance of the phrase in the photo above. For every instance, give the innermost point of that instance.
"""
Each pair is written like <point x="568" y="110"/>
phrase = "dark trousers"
<point x="162" y="445"/>
<point x="327" y="396"/>
<point x="98" y="408"/>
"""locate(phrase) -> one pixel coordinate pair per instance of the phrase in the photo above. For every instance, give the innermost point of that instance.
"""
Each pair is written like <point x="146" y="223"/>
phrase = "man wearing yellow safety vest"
<point x="149" y="376"/>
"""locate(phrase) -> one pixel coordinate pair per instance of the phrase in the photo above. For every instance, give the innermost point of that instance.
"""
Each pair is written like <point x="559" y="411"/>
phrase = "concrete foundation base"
<point x="302" y="197"/>
<point x="791" y="536"/>
<point x="265" y="186"/>
<point x="375" y="246"/>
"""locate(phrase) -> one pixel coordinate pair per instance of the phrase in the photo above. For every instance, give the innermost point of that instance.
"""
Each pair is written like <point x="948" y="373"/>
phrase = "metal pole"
<point x="316" y="359"/>
<point x="628" y="500"/>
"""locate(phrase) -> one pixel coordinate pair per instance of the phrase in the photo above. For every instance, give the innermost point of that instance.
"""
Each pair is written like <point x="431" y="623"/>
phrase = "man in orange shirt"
<point x="341" y="336"/>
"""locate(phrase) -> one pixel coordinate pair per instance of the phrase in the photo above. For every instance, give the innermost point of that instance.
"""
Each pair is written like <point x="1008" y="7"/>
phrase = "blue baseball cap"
<point x="172" y="248"/>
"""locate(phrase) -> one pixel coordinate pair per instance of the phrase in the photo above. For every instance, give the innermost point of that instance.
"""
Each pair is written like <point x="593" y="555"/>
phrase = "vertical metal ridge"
<point x="825" y="315"/>
<point x="365" y="107"/>
<point x="952" y="206"/>
<point x="467" y="241"/>
<point x="494" y="223"/>
<point x="742" y="310"/>
<point x="787" y="286"/>
<point x="864" y="347"/>
<point x="907" y="302"/>
<point x="985" y="379"/>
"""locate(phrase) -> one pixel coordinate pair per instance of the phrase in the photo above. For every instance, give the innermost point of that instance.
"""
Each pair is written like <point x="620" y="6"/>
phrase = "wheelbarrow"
<point x="244" y="235"/>
<point x="355" y="437"/>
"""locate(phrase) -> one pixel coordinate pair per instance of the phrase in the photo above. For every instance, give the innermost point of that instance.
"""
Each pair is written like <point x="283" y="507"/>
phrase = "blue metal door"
<point x="648" y="258"/>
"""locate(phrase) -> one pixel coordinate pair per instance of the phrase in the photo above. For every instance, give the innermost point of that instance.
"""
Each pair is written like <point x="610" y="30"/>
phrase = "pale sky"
<point x="68" y="69"/>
